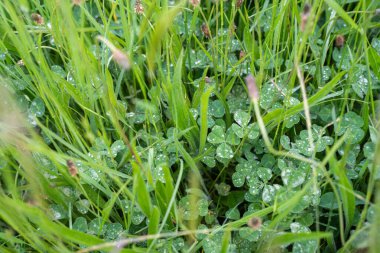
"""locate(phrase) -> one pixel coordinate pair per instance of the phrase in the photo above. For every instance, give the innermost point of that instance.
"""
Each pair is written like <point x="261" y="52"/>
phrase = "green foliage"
<point x="169" y="154"/>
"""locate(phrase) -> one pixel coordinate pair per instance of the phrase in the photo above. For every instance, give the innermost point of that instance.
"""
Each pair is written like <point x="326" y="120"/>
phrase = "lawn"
<point x="189" y="126"/>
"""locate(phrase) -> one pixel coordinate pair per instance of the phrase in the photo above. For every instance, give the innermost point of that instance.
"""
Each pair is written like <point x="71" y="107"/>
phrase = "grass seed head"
<point x="255" y="223"/>
<point x="20" y="63"/>
<point x="305" y="16"/>
<point x="77" y="2"/>
<point x="252" y="87"/>
<point x="119" y="56"/>
<point x="72" y="168"/>
<point x="139" y="8"/>
<point x="339" y="41"/>
<point x="205" y="30"/>
<point x="195" y="3"/>
<point x="241" y="54"/>
<point x="37" y="18"/>
<point x="122" y="59"/>
<point x="239" y="3"/>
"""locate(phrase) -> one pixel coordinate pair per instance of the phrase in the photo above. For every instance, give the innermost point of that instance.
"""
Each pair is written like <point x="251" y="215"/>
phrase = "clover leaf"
<point x="113" y="231"/>
<point x="241" y="127"/>
<point x="304" y="246"/>
<point x="223" y="189"/>
<point x="285" y="142"/>
<point x="328" y="201"/>
<point x="353" y="123"/>
<point x="269" y="193"/>
<point x="202" y="207"/>
<point x="80" y="224"/>
<point x="242" y="118"/>
<point x="302" y="144"/>
<point x="269" y="95"/>
<point x="216" y="109"/>
<point x="37" y="107"/>
<point x="342" y="57"/>
<point x="264" y="174"/>
<point x="253" y="131"/>
<point x="209" y="157"/>
<point x="190" y="213"/>
<point x="217" y="135"/>
<point x="359" y="81"/>
<point x="224" y="151"/>
<point x="233" y="214"/>
<point x="237" y="99"/>
<point x="232" y="138"/>
<point x="116" y="147"/>
<point x="238" y="179"/>
<point x="293" y="177"/>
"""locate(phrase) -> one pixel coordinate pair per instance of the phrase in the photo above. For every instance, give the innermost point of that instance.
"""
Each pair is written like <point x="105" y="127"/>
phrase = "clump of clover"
<point x="302" y="142"/>
<point x="186" y="205"/>
<point x="215" y="113"/>
<point x="221" y="141"/>
<point x="275" y="95"/>
<point x="254" y="173"/>
<point x="238" y="99"/>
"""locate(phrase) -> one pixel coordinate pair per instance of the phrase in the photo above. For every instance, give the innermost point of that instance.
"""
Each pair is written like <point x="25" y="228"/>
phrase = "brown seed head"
<point x="305" y="16"/>
<point x="241" y="54"/>
<point x="252" y="87"/>
<point x="239" y="3"/>
<point x="255" y="223"/>
<point x="339" y="41"/>
<point x="72" y="168"/>
<point x="205" y="31"/>
<point x="306" y="9"/>
<point x="195" y="3"/>
<point x="37" y="18"/>
<point x="139" y="8"/>
<point x="77" y="2"/>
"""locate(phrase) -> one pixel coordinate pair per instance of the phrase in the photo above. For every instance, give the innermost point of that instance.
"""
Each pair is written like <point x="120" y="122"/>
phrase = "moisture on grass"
<point x="189" y="126"/>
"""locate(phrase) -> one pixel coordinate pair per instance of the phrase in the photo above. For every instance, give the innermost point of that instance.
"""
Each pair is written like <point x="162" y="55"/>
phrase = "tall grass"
<point x="65" y="98"/>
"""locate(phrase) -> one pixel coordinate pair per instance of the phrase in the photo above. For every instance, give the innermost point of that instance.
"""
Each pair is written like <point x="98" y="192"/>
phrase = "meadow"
<point x="189" y="126"/>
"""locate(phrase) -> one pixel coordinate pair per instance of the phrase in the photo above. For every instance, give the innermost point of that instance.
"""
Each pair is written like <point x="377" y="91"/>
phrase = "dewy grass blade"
<point x="107" y="106"/>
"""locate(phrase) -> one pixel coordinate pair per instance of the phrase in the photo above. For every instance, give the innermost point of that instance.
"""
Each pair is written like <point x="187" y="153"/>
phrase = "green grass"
<point x="137" y="132"/>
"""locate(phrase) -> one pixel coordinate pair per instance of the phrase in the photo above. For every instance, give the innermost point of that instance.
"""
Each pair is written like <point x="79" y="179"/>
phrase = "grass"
<point x="131" y="126"/>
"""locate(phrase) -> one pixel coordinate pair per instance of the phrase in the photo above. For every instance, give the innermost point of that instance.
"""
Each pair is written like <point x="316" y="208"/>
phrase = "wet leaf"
<point x="233" y="214"/>
<point x="293" y="177"/>
<point x="242" y="118"/>
<point x="253" y="131"/>
<point x="116" y="147"/>
<point x="80" y="224"/>
<point x="202" y="207"/>
<point x="58" y="212"/>
<point x="359" y="81"/>
<point x="216" y="109"/>
<point x="328" y="201"/>
<point x="265" y="174"/>
<point x="238" y="179"/>
<point x="113" y="231"/>
<point x="224" y="151"/>
<point x="217" y="135"/>
<point x="37" y="107"/>
<point x="232" y="138"/>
